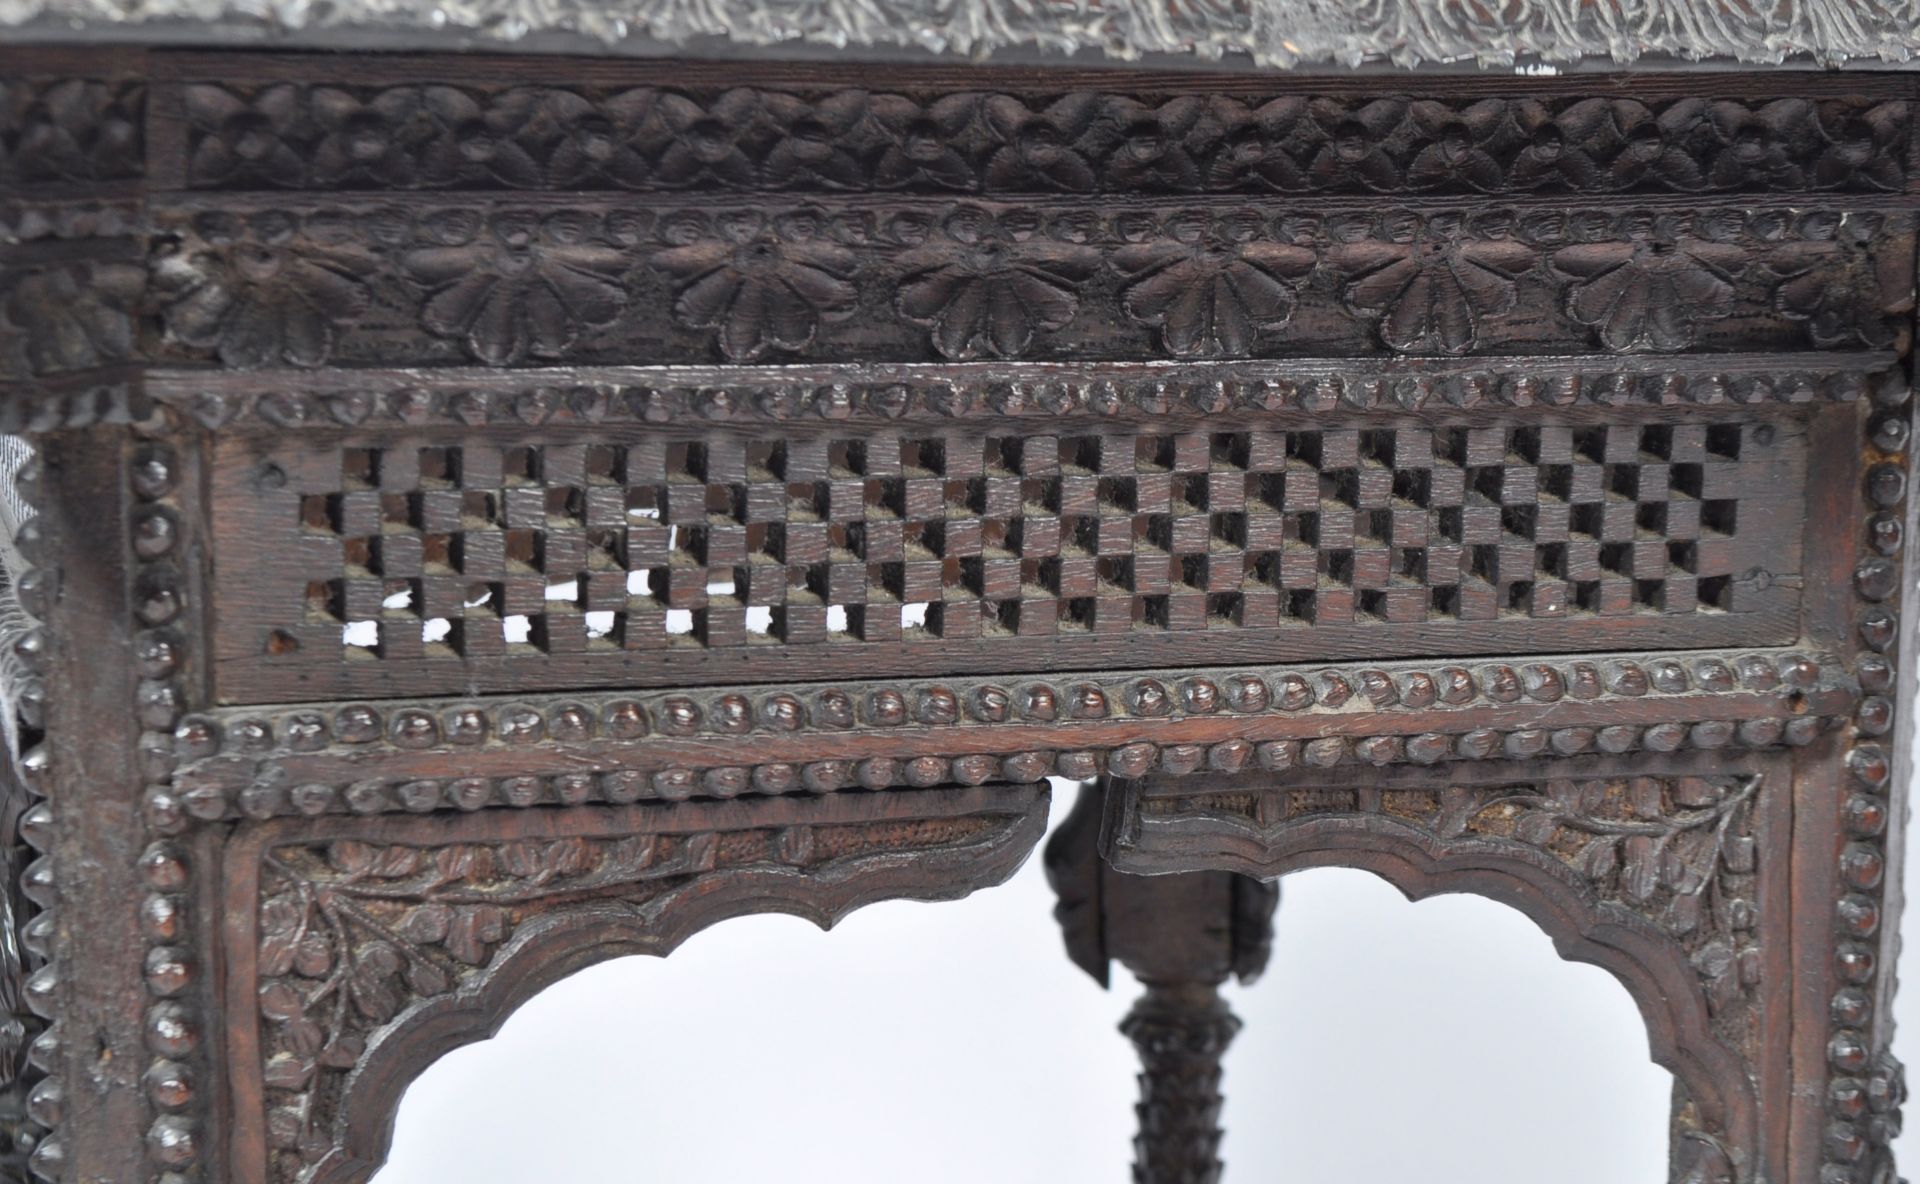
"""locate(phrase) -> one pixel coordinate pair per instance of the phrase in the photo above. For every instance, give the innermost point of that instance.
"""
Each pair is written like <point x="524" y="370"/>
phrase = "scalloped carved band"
<point x="362" y="950"/>
<point x="287" y="136"/>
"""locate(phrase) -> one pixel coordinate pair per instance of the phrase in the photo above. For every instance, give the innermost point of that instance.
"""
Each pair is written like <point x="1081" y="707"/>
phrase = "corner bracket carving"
<point x="1654" y="878"/>
<point x="360" y="951"/>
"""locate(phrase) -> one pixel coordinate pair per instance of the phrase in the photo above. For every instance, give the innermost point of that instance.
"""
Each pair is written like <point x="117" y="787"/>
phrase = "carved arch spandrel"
<point x="359" y="951"/>
<point x="1711" y="987"/>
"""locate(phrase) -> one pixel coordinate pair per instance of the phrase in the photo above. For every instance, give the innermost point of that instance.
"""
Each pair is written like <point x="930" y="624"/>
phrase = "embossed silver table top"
<point x="1266" y="33"/>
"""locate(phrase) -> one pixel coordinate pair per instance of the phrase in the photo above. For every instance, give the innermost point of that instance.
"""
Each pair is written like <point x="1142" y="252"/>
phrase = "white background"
<point x="955" y="1044"/>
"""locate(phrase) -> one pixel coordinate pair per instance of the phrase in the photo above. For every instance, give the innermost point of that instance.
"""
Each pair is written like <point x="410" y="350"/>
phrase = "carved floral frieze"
<point x="507" y="285"/>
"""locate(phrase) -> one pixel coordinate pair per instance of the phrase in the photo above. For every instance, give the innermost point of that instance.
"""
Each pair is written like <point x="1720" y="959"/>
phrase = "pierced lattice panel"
<point x="649" y="557"/>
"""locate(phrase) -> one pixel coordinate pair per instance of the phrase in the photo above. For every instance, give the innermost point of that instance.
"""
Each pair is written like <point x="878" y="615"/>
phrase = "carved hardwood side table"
<point x="480" y="515"/>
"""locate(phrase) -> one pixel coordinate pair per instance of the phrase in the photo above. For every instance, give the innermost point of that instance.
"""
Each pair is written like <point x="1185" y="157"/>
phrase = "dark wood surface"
<point x="494" y="515"/>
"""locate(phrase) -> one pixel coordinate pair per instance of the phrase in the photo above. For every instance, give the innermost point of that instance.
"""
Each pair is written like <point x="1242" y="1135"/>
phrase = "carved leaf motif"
<point x="1599" y="859"/>
<point x="357" y="859"/>
<point x="1537" y="827"/>
<point x="284" y="1005"/>
<point x="522" y="860"/>
<point x="281" y="924"/>
<point x="427" y="924"/>
<point x="289" y="1072"/>
<point x="426" y="979"/>
<point x="343" y="1052"/>
<point x="1683" y="913"/>
<point x="1719" y="968"/>
<point x="1691" y="858"/>
<point x="1458" y="806"/>
<point x="278" y="1001"/>
<point x="406" y="924"/>
<point x="370" y="980"/>
<point x="464" y="861"/>
<point x="473" y="930"/>
<point x="1673" y="849"/>
<point x="1640" y="866"/>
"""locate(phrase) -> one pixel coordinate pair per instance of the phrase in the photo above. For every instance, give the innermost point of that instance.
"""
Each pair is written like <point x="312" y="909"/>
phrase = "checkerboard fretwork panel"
<point x="652" y="544"/>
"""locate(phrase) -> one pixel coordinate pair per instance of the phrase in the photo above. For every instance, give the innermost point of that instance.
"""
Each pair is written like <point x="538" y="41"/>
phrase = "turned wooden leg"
<point x="1181" y="1031"/>
<point x="1182" y="935"/>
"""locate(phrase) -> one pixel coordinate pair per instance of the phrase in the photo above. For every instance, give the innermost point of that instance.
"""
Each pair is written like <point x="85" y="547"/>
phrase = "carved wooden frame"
<point x="227" y="280"/>
<point x="1291" y="822"/>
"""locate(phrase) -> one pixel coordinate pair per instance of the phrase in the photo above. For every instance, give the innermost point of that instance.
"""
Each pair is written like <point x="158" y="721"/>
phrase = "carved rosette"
<point x="377" y="937"/>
